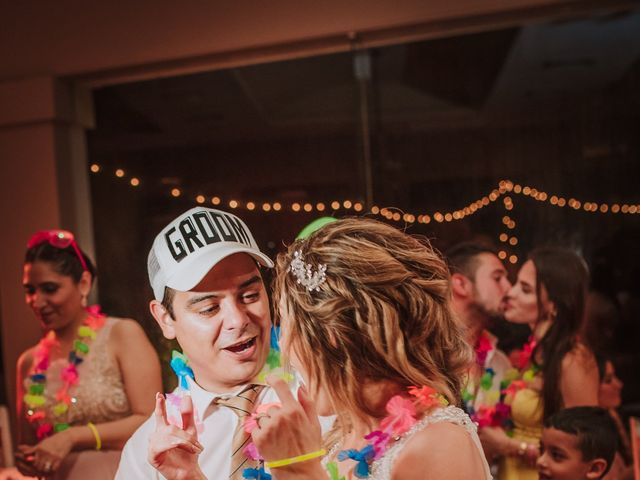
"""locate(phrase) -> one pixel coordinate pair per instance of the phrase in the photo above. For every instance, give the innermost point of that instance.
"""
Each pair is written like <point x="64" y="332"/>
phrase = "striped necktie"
<point x="242" y="404"/>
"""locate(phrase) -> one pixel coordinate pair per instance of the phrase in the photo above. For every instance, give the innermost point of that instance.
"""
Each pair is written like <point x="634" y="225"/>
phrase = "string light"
<point x="266" y="207"/>
<point x="508" y="222"/>
<point x="504" y="187"/>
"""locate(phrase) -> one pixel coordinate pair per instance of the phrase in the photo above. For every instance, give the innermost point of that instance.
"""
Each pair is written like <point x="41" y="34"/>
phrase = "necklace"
<point x="481" y="414"/>
<point x="497" y="413"/>
<point x="402" y="414"/>
<point x="35" y="399"/>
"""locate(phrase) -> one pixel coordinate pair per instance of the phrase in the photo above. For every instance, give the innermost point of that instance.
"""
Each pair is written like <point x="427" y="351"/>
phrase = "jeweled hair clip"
<point x="305" y="274"/>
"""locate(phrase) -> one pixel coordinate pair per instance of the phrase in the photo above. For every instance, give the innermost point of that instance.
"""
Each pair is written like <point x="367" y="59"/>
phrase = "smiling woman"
<point x="86" y="386"/>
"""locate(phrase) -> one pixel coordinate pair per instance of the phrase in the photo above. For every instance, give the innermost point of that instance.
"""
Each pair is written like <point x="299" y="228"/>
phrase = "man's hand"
<point x="174" y="451"/>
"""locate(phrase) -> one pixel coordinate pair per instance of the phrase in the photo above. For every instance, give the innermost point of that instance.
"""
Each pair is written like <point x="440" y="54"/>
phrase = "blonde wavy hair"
<point x="382" y="314"/>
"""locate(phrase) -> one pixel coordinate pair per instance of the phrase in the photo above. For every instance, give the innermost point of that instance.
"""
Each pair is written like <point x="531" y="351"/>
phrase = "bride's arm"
<point x="443" y="451"/>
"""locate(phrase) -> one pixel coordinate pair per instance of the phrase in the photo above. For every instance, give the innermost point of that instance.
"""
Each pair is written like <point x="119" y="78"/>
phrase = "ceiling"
<point x="458" y="82"/>
<point x="532" y="103"/>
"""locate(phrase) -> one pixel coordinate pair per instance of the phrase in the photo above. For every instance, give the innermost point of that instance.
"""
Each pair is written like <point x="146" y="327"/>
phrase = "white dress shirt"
<point x="218" y="425"/>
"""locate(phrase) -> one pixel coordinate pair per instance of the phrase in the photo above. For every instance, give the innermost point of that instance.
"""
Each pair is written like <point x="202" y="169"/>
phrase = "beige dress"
<point x="100" y="397"/>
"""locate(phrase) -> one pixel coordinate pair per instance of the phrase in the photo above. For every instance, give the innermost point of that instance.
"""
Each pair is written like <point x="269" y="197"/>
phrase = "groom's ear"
<point x="163" y="318"/>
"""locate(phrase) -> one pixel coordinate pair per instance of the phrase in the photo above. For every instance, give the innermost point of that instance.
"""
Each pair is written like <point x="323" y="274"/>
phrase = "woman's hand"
<point x="24" y="462"/>
<point x="45" y="457"/>
<point x="496" y="441"/>
<point x="174" y="451"/>
<point x="289" y="431"/>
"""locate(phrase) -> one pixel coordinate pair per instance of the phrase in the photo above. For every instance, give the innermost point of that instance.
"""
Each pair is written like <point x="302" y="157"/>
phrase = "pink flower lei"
<point x="402" y="414"/>
<point x="35" y="398"/>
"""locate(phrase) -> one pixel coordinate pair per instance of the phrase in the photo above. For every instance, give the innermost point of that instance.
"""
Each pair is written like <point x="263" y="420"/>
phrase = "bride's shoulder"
<point x="442" y="449"/>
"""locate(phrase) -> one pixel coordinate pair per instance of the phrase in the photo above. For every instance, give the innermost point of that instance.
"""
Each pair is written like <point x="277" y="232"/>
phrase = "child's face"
<point x="560" y="458"/>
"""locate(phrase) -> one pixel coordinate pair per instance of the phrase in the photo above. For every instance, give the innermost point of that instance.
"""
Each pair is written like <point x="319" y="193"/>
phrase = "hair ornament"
<point x="305" y="274"/>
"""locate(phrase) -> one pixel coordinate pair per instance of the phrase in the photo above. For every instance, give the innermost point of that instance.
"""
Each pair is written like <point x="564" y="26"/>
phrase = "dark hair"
<point x="65" y="261"/>
<point x="601" y="361"/>
<point x="594" y="427"/>
<point x="461" y="258"/>
<point x="167" y="300"/>
<point x="564" y="275"/>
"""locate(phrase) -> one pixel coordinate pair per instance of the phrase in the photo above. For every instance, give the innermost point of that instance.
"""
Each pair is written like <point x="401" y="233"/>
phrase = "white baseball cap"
<point x="192" y="244"/>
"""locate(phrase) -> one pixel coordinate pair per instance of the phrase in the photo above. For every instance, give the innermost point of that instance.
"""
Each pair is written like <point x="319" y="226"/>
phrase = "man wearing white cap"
<point x="210" y="296"/>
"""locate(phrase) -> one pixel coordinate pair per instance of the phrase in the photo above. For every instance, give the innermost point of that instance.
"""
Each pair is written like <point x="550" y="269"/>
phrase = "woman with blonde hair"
<point x="365" y="318"/>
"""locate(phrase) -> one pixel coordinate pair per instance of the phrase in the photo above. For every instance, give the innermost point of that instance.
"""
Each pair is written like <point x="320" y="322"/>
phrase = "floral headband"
<point x="58" y="239"/>
<point x="305" y="274"/>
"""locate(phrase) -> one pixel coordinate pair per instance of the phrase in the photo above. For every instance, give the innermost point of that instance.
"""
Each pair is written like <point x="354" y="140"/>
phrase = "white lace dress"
<point x="381" y="468"/>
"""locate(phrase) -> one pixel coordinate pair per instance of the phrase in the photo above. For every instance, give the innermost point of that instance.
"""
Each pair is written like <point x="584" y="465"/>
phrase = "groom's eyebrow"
<point x="201" y="298"/>
<point x="251" y="281"/>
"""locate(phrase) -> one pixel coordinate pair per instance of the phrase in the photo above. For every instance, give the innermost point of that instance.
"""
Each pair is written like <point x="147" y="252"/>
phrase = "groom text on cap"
<point x="204" y="228"/>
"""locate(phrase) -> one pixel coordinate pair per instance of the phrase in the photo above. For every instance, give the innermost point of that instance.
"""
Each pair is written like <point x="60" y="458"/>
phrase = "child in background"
<point x="577" y="443"/>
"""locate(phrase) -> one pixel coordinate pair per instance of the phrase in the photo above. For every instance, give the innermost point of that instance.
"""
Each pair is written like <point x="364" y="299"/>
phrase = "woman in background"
<point x="557" y="370"/>
<point x="609" y="397"/>
<point x="89" y="382"/>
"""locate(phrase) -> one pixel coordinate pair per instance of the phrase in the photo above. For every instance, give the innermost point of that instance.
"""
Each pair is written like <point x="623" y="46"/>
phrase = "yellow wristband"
<point x="298" y="459"/>
<point x="96" y="434"/>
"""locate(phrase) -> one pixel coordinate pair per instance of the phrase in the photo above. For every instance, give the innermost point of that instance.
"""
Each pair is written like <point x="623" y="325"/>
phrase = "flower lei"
<point x="402" y="414"/>
<point x="483" y="415"/>
<point x="35" y="399"/>
<point x="514" y="380"/>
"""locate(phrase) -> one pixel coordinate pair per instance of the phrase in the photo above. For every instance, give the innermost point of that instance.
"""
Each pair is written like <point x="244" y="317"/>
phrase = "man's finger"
<point x="187" y="414"/>
<point x="282" y="390"/>
<point x="158" y="446"/>
<point x="160" y="411"/>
